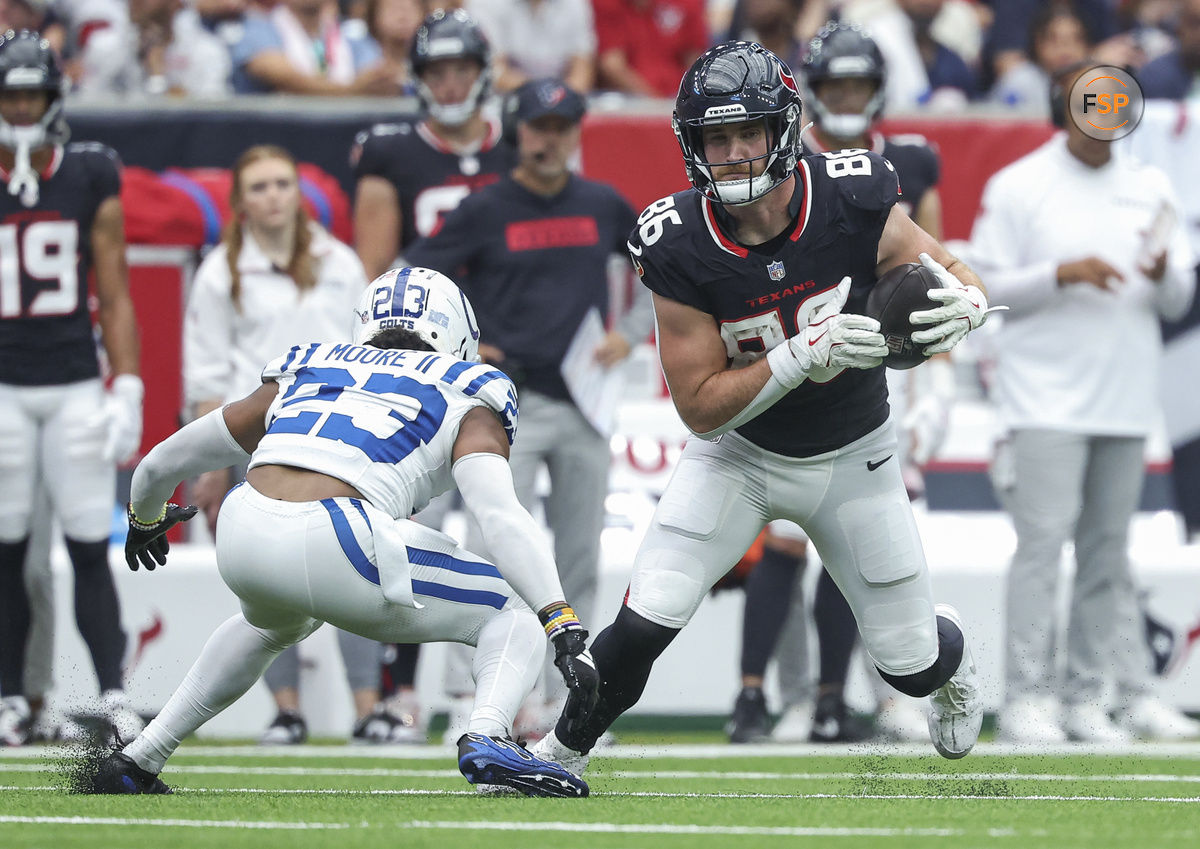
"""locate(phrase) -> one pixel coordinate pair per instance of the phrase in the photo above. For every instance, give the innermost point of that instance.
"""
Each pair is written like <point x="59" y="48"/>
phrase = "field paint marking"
<point x="372" y="772"/>
<point x="695" y="751"/>
<point x="291" y="826"/>
<point x="648" y="794"/>
<point x="619" y="828"/>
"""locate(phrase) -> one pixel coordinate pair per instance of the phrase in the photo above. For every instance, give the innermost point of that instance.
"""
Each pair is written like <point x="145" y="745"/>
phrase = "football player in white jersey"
<point x="347" y="441"/>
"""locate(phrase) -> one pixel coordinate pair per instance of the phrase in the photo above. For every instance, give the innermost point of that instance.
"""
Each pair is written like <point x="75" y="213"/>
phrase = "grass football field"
<point x="644" y="794"/>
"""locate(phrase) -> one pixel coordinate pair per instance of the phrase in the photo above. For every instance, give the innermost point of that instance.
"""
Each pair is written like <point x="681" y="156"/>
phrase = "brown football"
<point x="895" y="295"/>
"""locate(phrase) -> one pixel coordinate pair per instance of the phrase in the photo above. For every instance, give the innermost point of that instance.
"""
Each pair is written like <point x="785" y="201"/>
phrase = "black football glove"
<point x="573" y="659"/>
<point x="148" y="542"/>
<point x="578" y="670"/>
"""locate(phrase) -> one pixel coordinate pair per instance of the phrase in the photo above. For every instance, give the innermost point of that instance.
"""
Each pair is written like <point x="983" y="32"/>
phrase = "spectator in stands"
<point x="644" y="46"/>
<point x="773" y="24"/>
<point x="539" y="38"/>
<point x="922" y="70"/>
<point x="410" y="175"/>
<point x="1058" y="39"/>
<point x="64" y="223"/>
<point x="298" y="48"/>
<point x="1176" y="75"/>
<point x="276" y="280"/>
<point x="533" y="250"/>
<point x="388" y="30"/>
<point x="1062" y="240"/>
<point x="160" y="48"/>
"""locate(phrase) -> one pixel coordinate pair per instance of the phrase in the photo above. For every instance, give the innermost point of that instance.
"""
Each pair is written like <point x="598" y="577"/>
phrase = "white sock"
<point x="507" y="660"/>
<point x="232" y="660"/>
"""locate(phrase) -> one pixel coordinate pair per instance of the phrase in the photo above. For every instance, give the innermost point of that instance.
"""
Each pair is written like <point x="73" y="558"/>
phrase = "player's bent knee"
<point x="923" y="682"/>
<point x="667" y="587"/>
<point x="900" y="635"/>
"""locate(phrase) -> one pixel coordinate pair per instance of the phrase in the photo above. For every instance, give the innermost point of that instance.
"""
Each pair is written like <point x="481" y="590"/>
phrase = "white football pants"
<point x="852" y="504"/>
<point x="297" y="565"/>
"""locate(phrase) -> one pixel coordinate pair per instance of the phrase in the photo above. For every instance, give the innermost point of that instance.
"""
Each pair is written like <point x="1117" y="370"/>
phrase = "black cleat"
<point x="832" y="723"/>
<point x="749" y="723"/>
<point x="117" y="774"/>
<point x="506" y="763"/>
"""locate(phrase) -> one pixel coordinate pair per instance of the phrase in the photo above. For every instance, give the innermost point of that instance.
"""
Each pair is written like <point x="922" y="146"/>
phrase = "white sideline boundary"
<point x="701" y="751"/>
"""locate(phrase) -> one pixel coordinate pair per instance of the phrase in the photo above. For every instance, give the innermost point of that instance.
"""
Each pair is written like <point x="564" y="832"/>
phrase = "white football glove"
<point x="931" y="395"/>
<point x="832" y="341"/>
<point x="964" y="308"/>
<point x="122" y="414"/>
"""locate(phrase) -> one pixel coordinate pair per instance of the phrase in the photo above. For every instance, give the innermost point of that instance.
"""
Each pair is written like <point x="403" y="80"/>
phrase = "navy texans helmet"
<point x="28" y="63"/>
<point x="731" y="83"/>
<point x="451" y="34"/>
<point x="843" y="51"/>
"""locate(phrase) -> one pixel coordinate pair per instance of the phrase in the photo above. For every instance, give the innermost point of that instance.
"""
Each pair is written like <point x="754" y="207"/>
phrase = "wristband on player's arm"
<point x="558" y="618"/>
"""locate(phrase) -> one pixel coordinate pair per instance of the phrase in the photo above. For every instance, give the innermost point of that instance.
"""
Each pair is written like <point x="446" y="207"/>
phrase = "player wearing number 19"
<point x="60" y="218"/>
<point x="759" y="276"/>
<point x="347" y="441"/>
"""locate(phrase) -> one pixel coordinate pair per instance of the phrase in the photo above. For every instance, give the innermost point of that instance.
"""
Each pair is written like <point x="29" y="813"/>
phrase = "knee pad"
<point x="667" y="587"/>
<point x="950" y="652"/>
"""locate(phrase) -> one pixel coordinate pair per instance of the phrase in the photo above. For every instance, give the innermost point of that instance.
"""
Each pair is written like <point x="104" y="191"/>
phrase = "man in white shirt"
<point x="1061" y="239"/>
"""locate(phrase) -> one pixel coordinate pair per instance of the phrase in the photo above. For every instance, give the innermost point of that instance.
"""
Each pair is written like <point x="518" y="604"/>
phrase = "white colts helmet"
<point x="424" y="301"/>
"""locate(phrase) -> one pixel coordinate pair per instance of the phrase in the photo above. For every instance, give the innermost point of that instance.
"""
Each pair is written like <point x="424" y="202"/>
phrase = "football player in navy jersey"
<point x="60" y="219"/>
<point x="842" y="81"/>
<point x="409" y="176"/>
<point x="345" y="442"/>
<point x="759" y="277"/>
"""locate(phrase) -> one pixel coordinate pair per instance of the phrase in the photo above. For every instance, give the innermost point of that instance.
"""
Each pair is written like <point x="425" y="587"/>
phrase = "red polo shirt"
<point x="660" y="38"/>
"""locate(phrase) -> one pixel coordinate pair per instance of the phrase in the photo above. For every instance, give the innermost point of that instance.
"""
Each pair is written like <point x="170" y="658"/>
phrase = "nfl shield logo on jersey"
<point x="775" y="269"/>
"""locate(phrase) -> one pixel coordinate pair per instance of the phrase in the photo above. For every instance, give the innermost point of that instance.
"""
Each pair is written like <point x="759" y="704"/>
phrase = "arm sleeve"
<point x="201" y="446"/>
<point x="995" y="250"/>
<point x="518" y="546"/>
<point x="208" y="341"/>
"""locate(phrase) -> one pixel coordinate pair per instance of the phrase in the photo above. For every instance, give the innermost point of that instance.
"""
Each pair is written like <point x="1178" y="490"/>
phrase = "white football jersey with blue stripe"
<point x="382" y="420"/>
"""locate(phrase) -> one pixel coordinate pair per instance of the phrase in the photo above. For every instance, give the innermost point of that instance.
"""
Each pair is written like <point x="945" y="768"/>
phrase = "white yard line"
<point x="371" y="772"/>
<point x="620" y="828"/>
<point x="1190" y="750"/>
<point x="656" y="795"/>
<point x="175" y="823"/>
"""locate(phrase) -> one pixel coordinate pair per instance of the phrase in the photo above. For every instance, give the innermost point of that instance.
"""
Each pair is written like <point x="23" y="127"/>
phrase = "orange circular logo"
<point x="1106" y="102"/>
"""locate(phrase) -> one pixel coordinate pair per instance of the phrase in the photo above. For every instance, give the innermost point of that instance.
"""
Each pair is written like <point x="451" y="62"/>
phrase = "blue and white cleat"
<point x="500" y="762"/>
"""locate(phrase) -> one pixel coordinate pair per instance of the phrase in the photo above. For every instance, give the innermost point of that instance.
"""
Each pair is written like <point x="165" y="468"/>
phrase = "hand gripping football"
<point x="896" y="295"/>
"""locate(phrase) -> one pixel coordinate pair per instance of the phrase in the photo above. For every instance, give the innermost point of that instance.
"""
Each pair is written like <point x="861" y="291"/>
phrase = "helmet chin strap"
<point x="23" y="180"/>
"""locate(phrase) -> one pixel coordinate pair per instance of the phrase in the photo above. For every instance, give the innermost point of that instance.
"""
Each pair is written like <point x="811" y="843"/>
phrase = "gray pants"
<point x="360" y="656"/>
<point x="1060" y="486"/>
<point x="555" y="434"/>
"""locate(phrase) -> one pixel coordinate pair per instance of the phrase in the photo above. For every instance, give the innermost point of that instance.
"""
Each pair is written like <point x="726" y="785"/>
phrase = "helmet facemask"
<point x="734" y="83"/>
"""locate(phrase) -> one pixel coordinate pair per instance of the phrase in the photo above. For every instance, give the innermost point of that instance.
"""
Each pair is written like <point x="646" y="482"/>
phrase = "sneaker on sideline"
<point x="955" y="708"/>
<point x="1089" y="723"/>
<point x="1030" y="720"/>
<point x="901" y="719"/>
<point x="1150" y="718"/>
<point x="381" y="726"/>
<point x="287" y="729"/>
<point x="14" y="721"/>
<point x="749" y="722"/>
<point x="795" y="723"/>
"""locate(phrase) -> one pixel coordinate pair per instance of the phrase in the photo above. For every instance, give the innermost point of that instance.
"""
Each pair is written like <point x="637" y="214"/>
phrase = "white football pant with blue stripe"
<point x="296" y="565"/>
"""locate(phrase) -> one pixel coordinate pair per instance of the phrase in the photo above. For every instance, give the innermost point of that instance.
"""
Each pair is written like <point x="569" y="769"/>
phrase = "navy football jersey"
<point x="45" y="256"/>
<point x="762" y="295"/>
<point x="430" y="179"/>
<point x="532" y="266"/>
<point x="916" y="162"/>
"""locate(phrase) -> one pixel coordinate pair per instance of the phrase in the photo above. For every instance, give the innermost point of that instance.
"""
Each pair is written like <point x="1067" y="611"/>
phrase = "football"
<point x="895" y="295"/>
